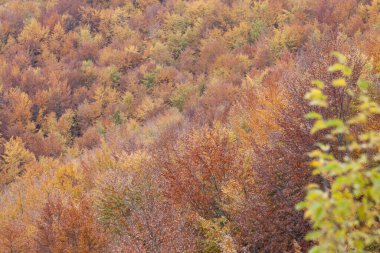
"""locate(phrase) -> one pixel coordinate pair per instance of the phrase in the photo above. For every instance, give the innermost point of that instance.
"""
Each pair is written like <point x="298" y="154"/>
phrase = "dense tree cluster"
<point x="176" y="125"/>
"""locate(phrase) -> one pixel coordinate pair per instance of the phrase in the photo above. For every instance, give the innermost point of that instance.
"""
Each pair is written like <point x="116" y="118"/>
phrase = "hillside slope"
<point x="168" y="126"/>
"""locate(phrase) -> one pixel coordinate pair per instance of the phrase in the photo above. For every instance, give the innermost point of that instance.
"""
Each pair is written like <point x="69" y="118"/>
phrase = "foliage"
<point x="173" y="125"/>
<point x="15" y="159"/>
<point x="67" y="226"/>
<point x="217" y="238"/>
<point x="345" y="214"/>
<point x="204" y="161"/>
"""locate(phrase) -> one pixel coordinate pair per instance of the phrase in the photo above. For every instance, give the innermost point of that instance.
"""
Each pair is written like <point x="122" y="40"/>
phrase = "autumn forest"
<point x="205" y="126"/>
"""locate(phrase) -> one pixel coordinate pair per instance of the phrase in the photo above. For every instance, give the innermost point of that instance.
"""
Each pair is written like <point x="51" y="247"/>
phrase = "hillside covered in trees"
<point x="179" y="126"/>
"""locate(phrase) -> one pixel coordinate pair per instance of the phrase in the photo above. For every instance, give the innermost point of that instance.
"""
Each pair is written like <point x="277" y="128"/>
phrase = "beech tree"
<point x="345" y="215"/>
<point x="200" y="165"/>
<point x="66" y="226"/>
<point x="14" y="160"/>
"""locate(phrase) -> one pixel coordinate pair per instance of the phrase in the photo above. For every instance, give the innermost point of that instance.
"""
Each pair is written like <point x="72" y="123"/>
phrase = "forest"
<point x="205" y="126"/>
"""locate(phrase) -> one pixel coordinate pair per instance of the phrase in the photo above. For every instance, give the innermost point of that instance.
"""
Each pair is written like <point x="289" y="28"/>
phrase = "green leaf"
<point x="318" y="125"/>
<point x="341" y="58"/>
<point x="346" y="71"/>
<point x="323" y="147"/>
<point x="334" y="122"/>
<point x="300" y="206"/>
<point x="340" y="82"/>
<point x="336" y="67"/>
<point x="313" y="115"/>
<point x="361" y="213"/>
<point x="319" y="213"/>
<point x="318" y="84"/>
<point x="316" y="97"/>
<point x="312" y="186"/>
<point x="315" y="249"/>
<point x="314" y="94"/>
<point x="363" y="85"/>
<point x="313" y="235"/>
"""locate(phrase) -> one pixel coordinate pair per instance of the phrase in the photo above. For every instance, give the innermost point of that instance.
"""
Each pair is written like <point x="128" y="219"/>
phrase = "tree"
<point x="12" y="237"/>
<point x="65" y="226"/>
<point x="31" y="38"/>
<point x="200" y="165"/>
<point x="268" y="122"/>
<point x="15" y="159"/>
<point x="345" y="215"/>
<point x="133" y="209"/>
<point x="16" y="111"/>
